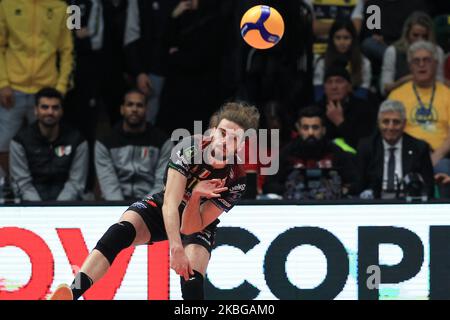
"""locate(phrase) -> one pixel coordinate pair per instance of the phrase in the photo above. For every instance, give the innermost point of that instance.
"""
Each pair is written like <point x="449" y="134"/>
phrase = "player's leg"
<point x="130" y="230"/>
<point x="193" y="289"/>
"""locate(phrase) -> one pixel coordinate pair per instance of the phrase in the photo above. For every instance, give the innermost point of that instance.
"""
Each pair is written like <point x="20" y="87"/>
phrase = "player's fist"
<point x="209" y="188"/>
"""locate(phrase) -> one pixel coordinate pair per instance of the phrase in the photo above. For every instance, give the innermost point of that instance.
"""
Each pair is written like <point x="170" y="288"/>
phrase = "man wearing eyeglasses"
<point x="48" y="160"/>
<point x="389" y="155"/>
<point x="427" y="103"/>
<point x="131" y="161"/>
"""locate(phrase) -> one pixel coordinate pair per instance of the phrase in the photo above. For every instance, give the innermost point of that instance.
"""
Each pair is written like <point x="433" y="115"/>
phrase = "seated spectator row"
<point x="49" y="159"/>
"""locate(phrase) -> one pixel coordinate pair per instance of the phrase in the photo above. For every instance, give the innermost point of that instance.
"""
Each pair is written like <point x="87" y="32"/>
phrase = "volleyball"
<point x="262" y="27"/>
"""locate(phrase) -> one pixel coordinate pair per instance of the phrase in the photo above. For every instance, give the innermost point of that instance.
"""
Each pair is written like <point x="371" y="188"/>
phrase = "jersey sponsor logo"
<point x="238" y="187"/>
<point x="63" y="151"/>
<point x="204" y="239"/>
<point x="226" y="203"/>
<point x="139" y="205"/>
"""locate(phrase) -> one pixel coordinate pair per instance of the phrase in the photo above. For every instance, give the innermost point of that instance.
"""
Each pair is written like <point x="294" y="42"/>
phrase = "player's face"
<point x="311" y="127"/>
<point x="49" y="111"/>
<point x="226" y="140"/>
<point x="418" y="32"/>
<point x="391" y="126"/>
<point x="342" y="40"/>
<point x="133" y="109"/>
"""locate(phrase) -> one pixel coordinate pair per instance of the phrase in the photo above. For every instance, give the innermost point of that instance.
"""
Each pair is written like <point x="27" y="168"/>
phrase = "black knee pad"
<point x="118" y="237"/>
<point x="193" y="288"/>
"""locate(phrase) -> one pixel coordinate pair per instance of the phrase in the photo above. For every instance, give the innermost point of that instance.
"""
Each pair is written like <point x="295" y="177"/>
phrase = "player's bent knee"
<point x="193" y="288"/>
<point x="118" y="237"/>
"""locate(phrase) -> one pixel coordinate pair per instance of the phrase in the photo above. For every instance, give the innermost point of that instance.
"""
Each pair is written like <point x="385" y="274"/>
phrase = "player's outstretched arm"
<point x="175" y="186"/>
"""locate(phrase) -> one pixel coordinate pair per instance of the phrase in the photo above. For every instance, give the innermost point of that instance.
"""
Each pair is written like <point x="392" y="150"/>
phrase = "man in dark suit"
<point x="385" y="158"/>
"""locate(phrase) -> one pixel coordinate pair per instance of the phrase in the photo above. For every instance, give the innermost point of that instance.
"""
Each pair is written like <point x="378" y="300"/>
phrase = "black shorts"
<point x="151" y="213"/>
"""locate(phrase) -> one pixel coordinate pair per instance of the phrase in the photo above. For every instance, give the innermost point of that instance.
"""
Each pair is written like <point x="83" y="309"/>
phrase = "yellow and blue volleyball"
<point x="262" y="27"/>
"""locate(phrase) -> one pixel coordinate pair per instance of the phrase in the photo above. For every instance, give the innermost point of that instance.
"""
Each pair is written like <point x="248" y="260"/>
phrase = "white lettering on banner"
<point x="265" y="229"/>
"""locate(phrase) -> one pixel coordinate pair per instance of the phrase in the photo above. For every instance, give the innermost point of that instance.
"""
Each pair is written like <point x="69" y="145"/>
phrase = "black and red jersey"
<point x="187" y="158"/>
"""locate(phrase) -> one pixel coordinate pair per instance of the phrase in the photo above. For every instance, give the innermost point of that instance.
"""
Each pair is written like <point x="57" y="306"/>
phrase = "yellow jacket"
<point x="32" y="34"/>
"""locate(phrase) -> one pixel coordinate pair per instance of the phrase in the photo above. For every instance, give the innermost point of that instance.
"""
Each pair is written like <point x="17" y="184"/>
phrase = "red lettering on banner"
<point x="158" y="271"/>
<point x="41" y="263"/>
<point x="77" y="251"/>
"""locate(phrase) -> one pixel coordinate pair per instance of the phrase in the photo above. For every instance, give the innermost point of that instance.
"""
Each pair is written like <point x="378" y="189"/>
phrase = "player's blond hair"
<point x="244" y="115"/>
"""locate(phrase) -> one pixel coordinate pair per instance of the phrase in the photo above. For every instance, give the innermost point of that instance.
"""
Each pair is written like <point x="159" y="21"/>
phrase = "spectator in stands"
<point x="312" y="153"/>
<point x="347" y="116"/>
<point x="390" y="154"/>
<point x="325" y="12"/>
<point x="118" y="19"/>
<point x="81" y="104"/>
<point x="393" y="14"/>
<point x="131" y="161"/>
<point x="427" y="103"/>
<point x="48" y="160"/>
<point x="148" y="52"/>
<point x="35" y="52"/>
<point x="343" y="48"/>
<point x="395" y="70"/>
<point x="194" y="41"/>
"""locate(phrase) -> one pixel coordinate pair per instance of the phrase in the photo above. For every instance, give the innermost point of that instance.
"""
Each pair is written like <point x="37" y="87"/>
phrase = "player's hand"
<point x="335" y="112"/>
<point x="179" y="262"/>
<point x="209" y="188"/>
<point x="442" y="178"/>
<point x="144" y="84"/>
<point x="7" y="97"/>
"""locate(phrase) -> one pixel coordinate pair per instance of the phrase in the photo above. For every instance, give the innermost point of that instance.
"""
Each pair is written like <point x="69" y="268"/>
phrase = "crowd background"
<point x="187" y="58"/>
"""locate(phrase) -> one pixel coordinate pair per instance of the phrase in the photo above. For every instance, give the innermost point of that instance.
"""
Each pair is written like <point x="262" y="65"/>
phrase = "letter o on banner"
<point x="42" y="264"/>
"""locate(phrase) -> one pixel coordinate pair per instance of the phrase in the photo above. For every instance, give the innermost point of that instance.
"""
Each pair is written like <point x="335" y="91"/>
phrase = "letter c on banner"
<point x="42" y="264"/>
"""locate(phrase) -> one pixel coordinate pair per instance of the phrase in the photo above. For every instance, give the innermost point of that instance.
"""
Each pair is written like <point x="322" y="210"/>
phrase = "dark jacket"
<point x="129" y="166"/>
<point x="148" y="54"/>
<point x="43" y="170"/>
<point x="370" y="159"/>
<point x="359" y="121"/>
<point x="293" y="157"/>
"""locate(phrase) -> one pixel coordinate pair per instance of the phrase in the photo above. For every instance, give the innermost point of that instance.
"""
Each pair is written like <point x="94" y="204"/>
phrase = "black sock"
<point x="80" y="285"/>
